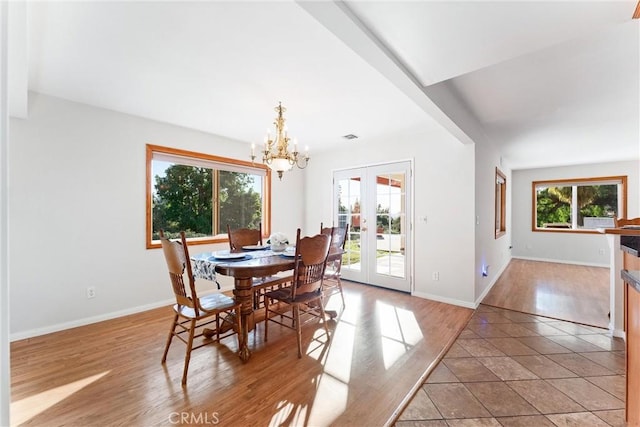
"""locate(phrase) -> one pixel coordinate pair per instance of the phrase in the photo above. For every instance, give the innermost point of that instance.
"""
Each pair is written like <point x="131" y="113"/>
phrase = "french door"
<point x="376" y="203"/>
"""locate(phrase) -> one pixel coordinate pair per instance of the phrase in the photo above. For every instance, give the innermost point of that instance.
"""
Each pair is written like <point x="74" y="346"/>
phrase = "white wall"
<point x="78" y="213"/>
<point x="491" y="253"/>
<point x="5" y="372"/>
<point x="578" y="248"/>
<point x="443" y="192"/>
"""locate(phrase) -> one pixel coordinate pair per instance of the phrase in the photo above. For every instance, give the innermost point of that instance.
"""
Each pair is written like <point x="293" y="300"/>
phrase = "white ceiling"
<point x="551" y="83"/>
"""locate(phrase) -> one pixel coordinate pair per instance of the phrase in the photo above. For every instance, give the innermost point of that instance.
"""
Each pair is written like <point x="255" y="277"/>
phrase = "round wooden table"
<point x="243" y="272"/>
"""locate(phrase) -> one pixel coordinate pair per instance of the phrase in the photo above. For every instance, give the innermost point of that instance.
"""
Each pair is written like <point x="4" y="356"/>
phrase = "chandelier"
<point x="275" y="152"/>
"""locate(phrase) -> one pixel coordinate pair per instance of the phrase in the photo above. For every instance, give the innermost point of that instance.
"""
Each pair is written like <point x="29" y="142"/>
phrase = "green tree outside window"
<point x="566" y="206"/>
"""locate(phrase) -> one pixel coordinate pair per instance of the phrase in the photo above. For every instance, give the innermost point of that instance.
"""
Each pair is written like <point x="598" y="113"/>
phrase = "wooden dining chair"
<point x="332" y="283"/>
<point x="304" y="295"/>
<point x="240" y="237"/>
<point x="191" y="312"/>
<point x="621" y="222"/>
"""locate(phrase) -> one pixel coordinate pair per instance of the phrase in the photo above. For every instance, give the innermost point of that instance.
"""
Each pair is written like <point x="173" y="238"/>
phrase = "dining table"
<point x="243" y="267"/>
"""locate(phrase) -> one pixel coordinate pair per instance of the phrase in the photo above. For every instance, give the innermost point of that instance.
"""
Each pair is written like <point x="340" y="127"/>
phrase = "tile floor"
<point x="513" y="369"/>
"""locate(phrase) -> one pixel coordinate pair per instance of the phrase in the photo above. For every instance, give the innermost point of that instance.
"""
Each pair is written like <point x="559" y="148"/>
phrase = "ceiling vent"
<point x="350" y="136"/>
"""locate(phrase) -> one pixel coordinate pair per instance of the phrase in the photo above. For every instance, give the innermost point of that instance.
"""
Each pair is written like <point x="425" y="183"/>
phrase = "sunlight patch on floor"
<point x="352" y="309"/>
<point x="332" y="392"/>
<point x="330" y="401"/>
<point x="338" y="361"/>
<point x="399" y="332"/>
<point x="27" y="408"/>
<point x="288" y="414"/>
<point x="550" y="302"/>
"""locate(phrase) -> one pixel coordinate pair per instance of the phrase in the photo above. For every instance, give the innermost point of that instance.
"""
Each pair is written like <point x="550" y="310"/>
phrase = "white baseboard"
<point x="451" y="301"/>
<point x="618" y="333"/>
<point x="87" y="320"/>
<point x="466" y="304"/>
<point x="493" y="282"/>
<point x="559" y="261"/>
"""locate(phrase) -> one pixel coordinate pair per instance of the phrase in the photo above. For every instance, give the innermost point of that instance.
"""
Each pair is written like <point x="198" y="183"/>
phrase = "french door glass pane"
<point x="349" y="198"/>
<point x="390" y="233"/>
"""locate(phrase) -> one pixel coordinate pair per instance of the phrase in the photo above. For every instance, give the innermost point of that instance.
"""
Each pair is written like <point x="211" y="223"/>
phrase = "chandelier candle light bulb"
<point x="276" y="154"/>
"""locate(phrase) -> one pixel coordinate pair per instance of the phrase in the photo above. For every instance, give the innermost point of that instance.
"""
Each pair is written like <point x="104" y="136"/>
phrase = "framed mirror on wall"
<point x="501" y="204"/>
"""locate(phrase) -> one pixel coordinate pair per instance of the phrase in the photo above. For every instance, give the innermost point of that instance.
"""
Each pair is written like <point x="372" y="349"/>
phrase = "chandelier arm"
<point x="303" y="165"/>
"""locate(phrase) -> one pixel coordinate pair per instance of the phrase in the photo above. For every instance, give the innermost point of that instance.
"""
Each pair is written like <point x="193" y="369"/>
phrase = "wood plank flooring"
<point x="563" y="291"/>
<point x="382" y="347"/>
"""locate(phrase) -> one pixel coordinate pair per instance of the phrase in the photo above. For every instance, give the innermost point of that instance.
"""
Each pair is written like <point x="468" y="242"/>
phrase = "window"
<point x="200" y="194"/>
<point x="578" y="205"/>
<point x="501" y="204"/>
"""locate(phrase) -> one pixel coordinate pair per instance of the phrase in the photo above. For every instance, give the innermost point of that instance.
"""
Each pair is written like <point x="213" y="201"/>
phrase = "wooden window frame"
<point x="622" y="200"/>
<point x="266" y="198"/>
<point x="500" y="219"/>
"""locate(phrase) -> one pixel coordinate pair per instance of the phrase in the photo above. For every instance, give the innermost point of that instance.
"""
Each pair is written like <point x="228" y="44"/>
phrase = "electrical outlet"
<point x="91" y="292"/>
<point x="435" y="275"/>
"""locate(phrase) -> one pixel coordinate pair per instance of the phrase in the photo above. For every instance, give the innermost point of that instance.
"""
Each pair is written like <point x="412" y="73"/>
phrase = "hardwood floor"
<point x="563" y="291"/>
<point x="382" y="347"/>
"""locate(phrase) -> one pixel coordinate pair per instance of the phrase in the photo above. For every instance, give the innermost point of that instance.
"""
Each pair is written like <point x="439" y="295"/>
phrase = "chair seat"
<point x="284" y="295"/>
<point x="209" y="302"/>
<point x="264" y="282"/>
<point x="261" y="285"/>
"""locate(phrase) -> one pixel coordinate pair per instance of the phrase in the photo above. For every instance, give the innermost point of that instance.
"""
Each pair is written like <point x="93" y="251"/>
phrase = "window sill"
<point x="566" y="230"/>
